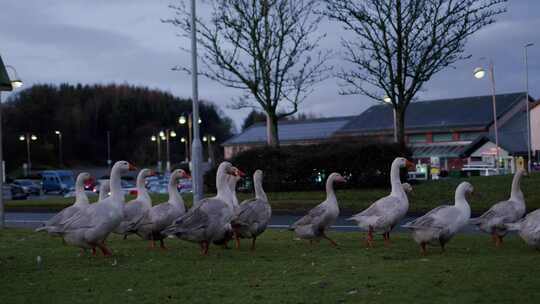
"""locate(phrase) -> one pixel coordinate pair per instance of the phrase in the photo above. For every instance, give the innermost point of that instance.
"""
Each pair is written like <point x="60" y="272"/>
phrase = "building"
<point x="446" y="133"/>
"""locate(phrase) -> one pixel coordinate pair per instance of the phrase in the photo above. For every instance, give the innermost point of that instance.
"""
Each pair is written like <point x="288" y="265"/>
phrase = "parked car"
<point x="13" y="192"/>
<point x="61" y="181"/>
<point x="28" y="186"/>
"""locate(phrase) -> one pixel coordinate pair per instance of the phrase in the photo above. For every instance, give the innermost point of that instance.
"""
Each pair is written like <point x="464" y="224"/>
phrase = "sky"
<point x="125" y="41"/>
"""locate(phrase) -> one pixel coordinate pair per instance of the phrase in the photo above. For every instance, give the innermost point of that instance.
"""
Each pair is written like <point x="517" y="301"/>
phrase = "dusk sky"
<point x="124" y="41"/>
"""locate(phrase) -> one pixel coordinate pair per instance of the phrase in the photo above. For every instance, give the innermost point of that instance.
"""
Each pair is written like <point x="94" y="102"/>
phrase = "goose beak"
<point x="341" y="179"/>
<point x="152" y="173"/>
<point x="132" y="167"/>
<point x="410" y="165"/>
<point x="238" y="172"/>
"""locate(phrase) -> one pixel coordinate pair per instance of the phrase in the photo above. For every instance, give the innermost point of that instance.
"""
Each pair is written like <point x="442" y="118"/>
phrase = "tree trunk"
<point x="400" y="123"/>
<point x="272" y="138"/>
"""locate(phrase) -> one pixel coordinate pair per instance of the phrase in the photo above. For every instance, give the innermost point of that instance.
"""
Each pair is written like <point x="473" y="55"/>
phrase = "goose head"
<point x="258" y="175"/>
<point x="123" y="166"/>
<point x="463" y="190"/>
<point x="178" y="174"/>
<point x="144" y="173"/>
<point x="83" y="177"/>
<point x="407" y="187"/>
<point x="337" y="178"/>
<point x="402" y="162"/>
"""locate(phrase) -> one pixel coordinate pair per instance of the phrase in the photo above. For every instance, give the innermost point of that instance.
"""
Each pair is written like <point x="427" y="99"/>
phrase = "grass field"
<point x="282" y="270"/>
<point x="426" y="195"/>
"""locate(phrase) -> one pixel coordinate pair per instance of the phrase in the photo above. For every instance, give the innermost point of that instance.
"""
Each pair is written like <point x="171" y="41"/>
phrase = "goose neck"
<point x="80" y="195"/>
<point x="174" y="197"/>
<point x="116" y="186"/>
<point x="516" y="187"/>
<point x="330" y="193"/>
<point x="395" y="182"/>
<point x="259" y="191"/>
<point x="142" y="192"/>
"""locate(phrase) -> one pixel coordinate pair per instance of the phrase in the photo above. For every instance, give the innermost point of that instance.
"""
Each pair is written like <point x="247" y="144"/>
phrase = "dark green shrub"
<point x="305" y="167"/>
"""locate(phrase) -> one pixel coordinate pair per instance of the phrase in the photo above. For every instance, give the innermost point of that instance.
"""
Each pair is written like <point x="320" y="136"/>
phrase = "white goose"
<point x="253" y="215"/>
<point x="385" y="213"/>
<point x="313" y="226"/>
<point x="442" y="223"/>
<point x="135" y="209"/>
<point x="104" y="189"/>
<point x="505" y="212"/>
<point x="232" y="180"/>
<point x="208" y="220"/>
<point x="162" y="215"/>
<point x="81" y="202"/>
<point x="90" y="227"/>
<point x="528" y="228"/>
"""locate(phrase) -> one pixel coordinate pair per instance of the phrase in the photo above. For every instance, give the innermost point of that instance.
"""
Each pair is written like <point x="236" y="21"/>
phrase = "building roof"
<point x="448" y="150"/>
<point x="5" y="82"/>
<point x="294" y="130"/>
<point x="442" y="114"/>
<point x="512" y="136"/>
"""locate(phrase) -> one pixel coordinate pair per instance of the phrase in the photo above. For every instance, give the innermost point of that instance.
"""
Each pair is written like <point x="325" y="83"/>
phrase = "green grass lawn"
<point x="426" y="196"/>
<point x="282" y="270"/>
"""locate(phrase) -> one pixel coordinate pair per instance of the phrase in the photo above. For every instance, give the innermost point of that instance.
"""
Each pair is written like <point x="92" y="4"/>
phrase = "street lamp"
<point x="7" y="83"/>
<point x="188" y="119"/>
<point x="480" y="73"/>
<point x="388" y="100"/>
<point x="209" y="139"/>
<point x="166" y="135"/>
<point x="157" y="140"/>
<point x="28" y="138"/>
<point x="196" y="149"/>
<point x="529" y="148"/>
<point x="186" y="152"/>
<point x="59" y="147"/>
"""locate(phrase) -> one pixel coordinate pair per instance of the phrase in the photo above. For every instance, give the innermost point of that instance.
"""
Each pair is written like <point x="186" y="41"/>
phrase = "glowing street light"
<point x="28" y="138"/>
<point x="60" y="160"/>
<point x="480" y="73"/>
<point x="386" y="99"/>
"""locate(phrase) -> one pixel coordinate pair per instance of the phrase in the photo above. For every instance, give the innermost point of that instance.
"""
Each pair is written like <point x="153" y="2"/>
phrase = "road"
<point x="33" y="220"/>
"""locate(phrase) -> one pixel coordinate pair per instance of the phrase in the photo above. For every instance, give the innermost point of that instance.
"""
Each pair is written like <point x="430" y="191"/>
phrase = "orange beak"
<point x="152" y="173"/>
<point x="410" y="165"/>
<point x="132" y="167"/>
<point x="240" y="173"/>
<point x="341" y="179"/>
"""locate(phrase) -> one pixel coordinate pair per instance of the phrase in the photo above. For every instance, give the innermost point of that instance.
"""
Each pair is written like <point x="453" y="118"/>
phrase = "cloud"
<point x="54" y="41"/>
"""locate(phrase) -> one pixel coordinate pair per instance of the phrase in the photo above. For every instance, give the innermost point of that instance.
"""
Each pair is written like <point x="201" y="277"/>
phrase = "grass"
<point x="280" y="271"/>
<point x="426" y="196"/>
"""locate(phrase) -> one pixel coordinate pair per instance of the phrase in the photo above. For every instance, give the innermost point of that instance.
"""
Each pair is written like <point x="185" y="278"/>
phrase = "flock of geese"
<point x="220" y="219"/>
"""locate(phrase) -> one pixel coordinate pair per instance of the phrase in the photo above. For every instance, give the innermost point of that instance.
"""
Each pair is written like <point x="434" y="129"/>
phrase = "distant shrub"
<point x="305" y="167"/>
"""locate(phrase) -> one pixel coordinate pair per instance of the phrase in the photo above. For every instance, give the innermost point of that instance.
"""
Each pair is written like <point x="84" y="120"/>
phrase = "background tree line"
<point x="84" y="114"/>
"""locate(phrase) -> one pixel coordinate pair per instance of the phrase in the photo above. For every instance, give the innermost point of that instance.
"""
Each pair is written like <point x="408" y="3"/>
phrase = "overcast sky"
<point x="124" y="41"/>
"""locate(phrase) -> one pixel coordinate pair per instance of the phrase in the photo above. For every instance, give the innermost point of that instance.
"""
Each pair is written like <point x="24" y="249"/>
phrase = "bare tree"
<point x="267" y="48"/>
<point x="398" y="45"/>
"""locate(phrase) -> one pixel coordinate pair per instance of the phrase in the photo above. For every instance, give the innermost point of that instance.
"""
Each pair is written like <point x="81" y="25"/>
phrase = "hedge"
<point x="305" y="167"/>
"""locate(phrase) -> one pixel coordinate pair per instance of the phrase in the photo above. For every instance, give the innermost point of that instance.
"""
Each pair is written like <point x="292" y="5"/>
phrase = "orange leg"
<point x="237" y="240"/>
<point x="204" y="248"/>
<point x="162" y="245"/>
<point x="329" y="239"/>
<point x="106" y="252"/>
<point x="423" y="248"/>
<point x="386" y="237"/>
<point x="369" y="240"/>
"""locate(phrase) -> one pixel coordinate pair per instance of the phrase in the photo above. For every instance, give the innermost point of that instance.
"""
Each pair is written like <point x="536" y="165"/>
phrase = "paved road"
<point x="33" y="220"/>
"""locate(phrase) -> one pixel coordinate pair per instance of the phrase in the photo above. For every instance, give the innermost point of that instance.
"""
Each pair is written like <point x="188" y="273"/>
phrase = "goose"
<point x="135" y="209"/>
<point x="232" y="180"/>
<point x="253" y="215"/>
<point x="313" y="226"/>
<point x="528" y="228"/>
<point x="442" y="223"/>
<point x="90" y="227"/>
<point x="104" y="189"/>
<point x="162" y="215"/>
<point x="210" y="218"/>
<point x="81" y="202"/>
<point x="509" y="211"/>
<point x="385" y="213"/>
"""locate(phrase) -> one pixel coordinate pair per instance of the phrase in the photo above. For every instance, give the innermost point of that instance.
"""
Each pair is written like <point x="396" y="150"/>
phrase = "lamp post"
<point x="157" y="139"/>
<point x="479" y="73"/>
<point x="388" y="100"/>
<point x="210" y="139"/>
<point x="196" y="149"/>
<point x="60" y="161"/>
<point x="529" y="148"/>
<point x="28" y="138"/>
<point x="166" y="135"/>
<point x="109" y="161"/>
<point x="186" y="152"/>
<point x="9" y="85"/>
<point x="188" y="119"/>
